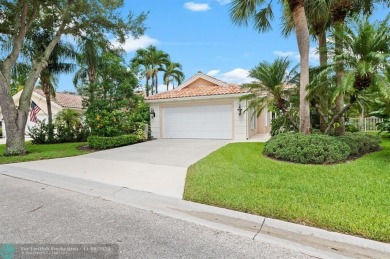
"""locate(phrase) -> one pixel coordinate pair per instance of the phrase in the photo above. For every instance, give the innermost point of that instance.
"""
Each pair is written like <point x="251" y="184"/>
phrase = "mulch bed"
<point x="87" y="148"/>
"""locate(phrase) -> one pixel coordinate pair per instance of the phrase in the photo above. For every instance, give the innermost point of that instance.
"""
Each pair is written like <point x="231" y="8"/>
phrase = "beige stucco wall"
<point x="240" y="129"/>
<point x="240" y="123"/>
<point x="264" y="122"/>
<point x="201" y="82"/>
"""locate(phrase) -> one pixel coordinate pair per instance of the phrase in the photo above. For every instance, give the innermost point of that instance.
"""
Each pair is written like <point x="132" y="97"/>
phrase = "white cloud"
<point x="313" y="54"/>
<point x="223" y="2"/>
<point x="133" y="44"/>
<point x="163" y="88"/>
<point x="286" y="54"/>
<point x="197" y="7"/>
<point x="235" y="76"/>
<point x="213" y="72"/>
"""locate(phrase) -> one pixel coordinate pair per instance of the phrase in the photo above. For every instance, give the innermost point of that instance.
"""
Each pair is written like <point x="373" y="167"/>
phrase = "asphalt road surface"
<point x="41" y="215"/>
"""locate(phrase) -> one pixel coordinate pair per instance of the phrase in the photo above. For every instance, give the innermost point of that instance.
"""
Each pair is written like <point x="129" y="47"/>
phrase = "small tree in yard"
<point x="22" y="18"/>
<point x="115" y="109"/>
<point x="272" y="88"/>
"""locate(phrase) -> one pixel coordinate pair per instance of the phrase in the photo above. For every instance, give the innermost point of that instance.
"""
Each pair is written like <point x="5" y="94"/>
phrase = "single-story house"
<point x="62" y="101"/>
<point x="204" y="107"/>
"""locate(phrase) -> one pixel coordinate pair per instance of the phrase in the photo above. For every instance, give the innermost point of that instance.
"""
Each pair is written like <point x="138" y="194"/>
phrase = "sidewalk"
<point x="314" y="242"/>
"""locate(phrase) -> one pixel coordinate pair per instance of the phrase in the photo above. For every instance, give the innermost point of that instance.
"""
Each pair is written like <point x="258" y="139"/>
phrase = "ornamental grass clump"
<point x="307" y="149"/>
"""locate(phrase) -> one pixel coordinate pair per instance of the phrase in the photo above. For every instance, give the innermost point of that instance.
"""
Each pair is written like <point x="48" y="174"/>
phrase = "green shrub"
<point x="39" y="133"/>
<point x="62" y="133"/>
<point x="361" y="143"/>
<point x="139" y="131"/>
<point x="111" y="142"/>
<point x="351" y="128"/>
<point x="384" y="126"/>
<point x="307" y="149"/>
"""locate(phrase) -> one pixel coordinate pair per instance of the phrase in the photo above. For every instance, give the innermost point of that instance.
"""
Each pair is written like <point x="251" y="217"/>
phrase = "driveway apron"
<point x="158" y="166"/>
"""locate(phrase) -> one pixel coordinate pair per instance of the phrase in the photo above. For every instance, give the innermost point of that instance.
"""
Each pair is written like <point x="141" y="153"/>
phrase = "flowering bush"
<point x="107" y="119"/>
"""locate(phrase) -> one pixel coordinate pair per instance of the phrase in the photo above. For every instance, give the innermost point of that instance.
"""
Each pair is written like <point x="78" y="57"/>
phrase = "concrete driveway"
<point x="158" y="166"/>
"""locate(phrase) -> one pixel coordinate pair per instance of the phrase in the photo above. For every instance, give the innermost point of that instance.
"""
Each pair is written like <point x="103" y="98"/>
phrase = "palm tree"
<point x="89" y="60"/>
<point x="141" y="60"/>
<point x="58" y="63"/>
<point x="152" y="60"/>
<point x="340" y="10"/>
<point x="173" y="72"/>
<point x="243" y="11"/>
<point x="318" y="15"/>
<point x="364" y="55"/>
<point x="272" y="88"/>
<point x="69" y="118"/>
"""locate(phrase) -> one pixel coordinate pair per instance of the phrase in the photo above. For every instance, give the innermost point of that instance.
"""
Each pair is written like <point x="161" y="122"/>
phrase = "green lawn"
<point x="352" y="197"/>
<point x="39" y="152"/>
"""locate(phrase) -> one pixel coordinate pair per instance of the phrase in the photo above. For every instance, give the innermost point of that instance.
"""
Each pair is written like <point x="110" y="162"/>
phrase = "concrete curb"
<point x="308" y="240"/>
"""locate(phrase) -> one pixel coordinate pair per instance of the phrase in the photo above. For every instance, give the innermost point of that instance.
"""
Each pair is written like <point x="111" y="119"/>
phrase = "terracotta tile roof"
<point x="65" y="100"/>
<point x="194" y="91"/>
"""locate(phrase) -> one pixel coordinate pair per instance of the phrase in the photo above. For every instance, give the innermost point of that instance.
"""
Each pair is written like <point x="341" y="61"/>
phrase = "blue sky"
<point x="201" y="36"/>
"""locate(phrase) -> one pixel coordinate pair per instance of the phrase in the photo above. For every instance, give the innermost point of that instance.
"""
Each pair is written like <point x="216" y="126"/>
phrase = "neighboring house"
<point x="62" y="101"/>
<point x="204" y="107"/>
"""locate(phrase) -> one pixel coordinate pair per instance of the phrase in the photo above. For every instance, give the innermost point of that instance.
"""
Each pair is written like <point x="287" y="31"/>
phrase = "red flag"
<point x="34" y="111"/>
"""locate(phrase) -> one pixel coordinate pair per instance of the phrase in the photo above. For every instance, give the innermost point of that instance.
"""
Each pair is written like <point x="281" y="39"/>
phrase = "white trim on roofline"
<point x="40" y="97"/>
<point x="219" y="96"/>
<point x="43" y="98"/>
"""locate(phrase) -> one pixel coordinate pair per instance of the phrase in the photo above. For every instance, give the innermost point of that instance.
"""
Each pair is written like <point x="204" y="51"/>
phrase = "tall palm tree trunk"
<point x="323" y="52"/>
<point x="152" y="87"/>
<point x="340" y="128"/>
<point x="46" y="89"/>
<point x="147" y="87"/>
<point x="156" y="83"/>
<point x="302" y="32"/>
<point x="49" y="111"/>
<point x="91" y="78"/>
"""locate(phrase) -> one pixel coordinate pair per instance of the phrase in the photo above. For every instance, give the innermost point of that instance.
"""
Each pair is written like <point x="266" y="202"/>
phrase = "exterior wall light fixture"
<point x="152" y="113"/>
<point x="239" y="110"/>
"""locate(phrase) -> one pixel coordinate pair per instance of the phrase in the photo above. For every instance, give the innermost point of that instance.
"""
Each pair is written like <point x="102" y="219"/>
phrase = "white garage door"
<point x="208" y="122"/>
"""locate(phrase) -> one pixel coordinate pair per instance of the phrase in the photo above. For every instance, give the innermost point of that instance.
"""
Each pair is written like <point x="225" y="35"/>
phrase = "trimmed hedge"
<point x="111" y="142"/>
<point x="361" y="143"/>
<point x="307" y="149"/>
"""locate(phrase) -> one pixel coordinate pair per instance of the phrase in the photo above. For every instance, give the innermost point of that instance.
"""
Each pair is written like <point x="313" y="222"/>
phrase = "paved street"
<point x="36" y="213"/>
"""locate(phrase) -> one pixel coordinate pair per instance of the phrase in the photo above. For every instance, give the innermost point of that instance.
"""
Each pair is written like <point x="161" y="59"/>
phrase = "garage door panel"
<point x="212" y="121"/>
